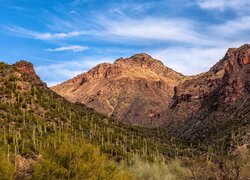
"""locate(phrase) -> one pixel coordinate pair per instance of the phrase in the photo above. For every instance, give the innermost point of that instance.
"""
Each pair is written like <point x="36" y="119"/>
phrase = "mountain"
<point x="141" y="90"/>
<point x="135" y="90"/>
<point x="44" y="136"/>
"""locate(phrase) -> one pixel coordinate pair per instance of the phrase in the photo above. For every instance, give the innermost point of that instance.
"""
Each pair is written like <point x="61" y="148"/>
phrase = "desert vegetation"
<point x="43" y="136"/>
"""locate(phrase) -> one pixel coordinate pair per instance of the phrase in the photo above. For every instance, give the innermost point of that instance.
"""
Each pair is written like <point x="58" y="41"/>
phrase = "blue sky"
<point x="65" y="38"/>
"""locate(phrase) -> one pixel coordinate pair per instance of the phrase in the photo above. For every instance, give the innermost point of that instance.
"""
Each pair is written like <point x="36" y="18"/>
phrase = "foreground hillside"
<point x="43" y="136"/>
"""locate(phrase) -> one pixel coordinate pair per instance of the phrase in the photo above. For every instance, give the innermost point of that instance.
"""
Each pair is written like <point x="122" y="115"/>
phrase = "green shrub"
<point x="142" y="170"/>
<point x="7" y="169"/>
<point x="76" y="161"/>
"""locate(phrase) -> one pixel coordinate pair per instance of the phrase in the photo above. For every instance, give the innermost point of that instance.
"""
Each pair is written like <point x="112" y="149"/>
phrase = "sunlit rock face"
<point x="136" y="90"/>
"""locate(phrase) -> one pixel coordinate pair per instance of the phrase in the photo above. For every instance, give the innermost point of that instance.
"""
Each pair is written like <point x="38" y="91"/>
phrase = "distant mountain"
<point x="141" y="90"/>
<point x="135" y="90"/>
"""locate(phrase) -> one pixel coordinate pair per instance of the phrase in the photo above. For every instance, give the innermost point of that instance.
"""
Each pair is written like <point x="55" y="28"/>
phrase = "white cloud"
<point x="178" y="30"/>
<point x="189" y="60"/>
<point x="212" y="4"/>
<point x="73" y="12"/>
<point x="43" y="36"/>
<point x="122" y="28"/>
<point x="224" y="4"/>
<point x="74" y="48"/>
<point x="233" y="27"/>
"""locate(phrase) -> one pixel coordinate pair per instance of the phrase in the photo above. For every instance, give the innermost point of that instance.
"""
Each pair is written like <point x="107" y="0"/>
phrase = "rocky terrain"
<point x="135" y="90"/>
<point x="141" y="90"/>
<point x="208" y="102"/>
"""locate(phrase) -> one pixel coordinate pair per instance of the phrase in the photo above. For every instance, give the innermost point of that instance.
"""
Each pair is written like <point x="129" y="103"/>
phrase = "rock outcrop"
<point x="26" y="67"/>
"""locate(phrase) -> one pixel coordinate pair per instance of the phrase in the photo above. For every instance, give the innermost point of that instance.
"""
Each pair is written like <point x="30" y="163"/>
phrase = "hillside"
<point x="40" y="130"/>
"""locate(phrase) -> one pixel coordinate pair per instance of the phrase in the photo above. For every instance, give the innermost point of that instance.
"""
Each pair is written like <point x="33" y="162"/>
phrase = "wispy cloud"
<point x="19" y="8"/>
<point x="73" y="12"/>
<point x="148" y="29"/>
<point x="224" y="4"/>
<point x="43" y="36"/>
<point x="74" y="48"/>
<point x="236" y="27"/>
<point x="124" y="29"/>
<point x="152" y="28"/>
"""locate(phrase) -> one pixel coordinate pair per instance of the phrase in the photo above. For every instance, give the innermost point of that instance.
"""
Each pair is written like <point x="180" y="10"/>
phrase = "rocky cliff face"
<point x="141" y="90"/>
<point x="228" y="79"/>
<point x="207" y="101"/>
<point x="135" y="90"/>
<point x="26" y="67"/>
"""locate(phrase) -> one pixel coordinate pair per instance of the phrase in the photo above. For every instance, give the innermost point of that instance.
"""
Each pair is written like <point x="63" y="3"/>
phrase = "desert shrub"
<point x="178" y="171"/>
<point x="7" y="169"/>
<point x="76" y="161"/>
<point x="142" y="170"/>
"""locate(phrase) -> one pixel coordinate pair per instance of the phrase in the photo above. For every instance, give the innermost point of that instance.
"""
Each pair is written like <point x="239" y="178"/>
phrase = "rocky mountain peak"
<point x="134" y="89"/>
<point x="25" y="67"/>
<point x="141" y="59"/>
<point x="234" y="59"/>
<point x="241" y="55"/>
<point x="141" y="56"/>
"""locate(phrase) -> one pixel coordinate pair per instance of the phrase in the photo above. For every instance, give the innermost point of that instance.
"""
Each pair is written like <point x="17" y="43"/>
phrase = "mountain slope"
<point x="141" y="90"/>
<point x="135" y="89"/>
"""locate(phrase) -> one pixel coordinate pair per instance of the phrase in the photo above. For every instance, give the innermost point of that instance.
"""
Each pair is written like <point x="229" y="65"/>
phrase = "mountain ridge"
<point x="141" y="90"/>
<point x="141" y="71"/>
